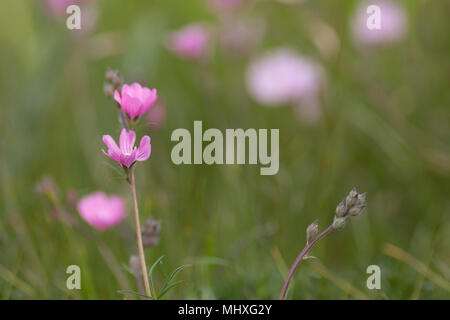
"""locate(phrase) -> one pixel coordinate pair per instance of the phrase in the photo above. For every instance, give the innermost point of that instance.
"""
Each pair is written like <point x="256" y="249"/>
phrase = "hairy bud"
<point x="351" y="206"/>
<point x="341" y="209"/>
<point x="351" y="198"/>
<point x="311" y="231"/>
<point x="339" y="223"/>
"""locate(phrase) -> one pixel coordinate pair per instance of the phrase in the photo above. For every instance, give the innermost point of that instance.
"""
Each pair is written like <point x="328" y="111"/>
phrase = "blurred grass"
<point x="385" y="130"/>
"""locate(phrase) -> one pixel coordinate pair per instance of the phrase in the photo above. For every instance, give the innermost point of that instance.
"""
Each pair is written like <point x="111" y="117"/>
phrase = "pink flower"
<point x="190" y="42"/>
<point x="101" y="211"/>
<point x="157" y="116"/>
<point x="58" y="7"/>
<point x="393" y="24"/>
<point x="135" y="100"/>
<point x="283" y="77"/>
<point x="127" y="154"/>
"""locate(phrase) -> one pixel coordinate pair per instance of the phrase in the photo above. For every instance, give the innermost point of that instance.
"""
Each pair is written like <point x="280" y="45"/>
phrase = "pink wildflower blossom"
<point x="283" y="77"/>
<point x="393" y="24"/>
<point x="135" y="100"/>
<point x="101" y="211"/>
<point x="190" y="42"/>
<point x="127" y="154"/>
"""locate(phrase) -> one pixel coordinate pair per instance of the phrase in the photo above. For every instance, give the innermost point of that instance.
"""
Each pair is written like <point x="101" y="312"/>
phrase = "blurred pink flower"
<point x="156" y="116"/>
<point x="89" y="14"/>
<point x="283" y="77"/>
<point x="101" y="211"/>
<point x="393" y="24"/>
<point x="190" y="42"/>
<point x="127" y="154"/>
<point x="58" y="7"/>
<point x="135" y="100"/>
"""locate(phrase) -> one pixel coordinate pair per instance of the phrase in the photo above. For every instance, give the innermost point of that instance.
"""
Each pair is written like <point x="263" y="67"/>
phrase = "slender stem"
<point x="138" y="234"/>
<point x="300" y="258"/>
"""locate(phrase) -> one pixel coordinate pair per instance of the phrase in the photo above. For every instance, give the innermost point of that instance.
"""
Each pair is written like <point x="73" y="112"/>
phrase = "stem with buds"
<point x="300" y="258"/>
<point x="351" y="206"/>
<point x="138" y="234"/>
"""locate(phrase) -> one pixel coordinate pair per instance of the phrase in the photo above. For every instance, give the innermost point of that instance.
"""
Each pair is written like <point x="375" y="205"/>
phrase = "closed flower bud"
<point x="341" y="209"/>
<point x="114" y="77"/>
<point x="351" y="198"/>
<point x="150" y="233"/>
<point x="311" y="231"/>
<point x="339" y="223"/>
<point x="361" y="200"/>
<point x="356" y="210"/>
<point x="108" y="89"/>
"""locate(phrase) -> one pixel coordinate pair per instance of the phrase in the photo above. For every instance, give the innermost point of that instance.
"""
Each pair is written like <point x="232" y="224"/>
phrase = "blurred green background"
<point x="384" y="129"/>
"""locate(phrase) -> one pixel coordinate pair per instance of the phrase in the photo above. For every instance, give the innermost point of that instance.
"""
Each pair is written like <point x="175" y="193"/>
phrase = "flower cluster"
<point x="351" y="206"/>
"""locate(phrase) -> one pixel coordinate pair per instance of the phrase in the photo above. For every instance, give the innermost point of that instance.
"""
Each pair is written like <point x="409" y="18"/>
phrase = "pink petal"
<point x="113" y="155"/>
<point x="145" y="148"/>
<point x="127" y="140"/>
<point x="131" y="105"/>
<point x="128" y="159"/>
<point x="117" y="97"/>
<point x="110" y="143"/>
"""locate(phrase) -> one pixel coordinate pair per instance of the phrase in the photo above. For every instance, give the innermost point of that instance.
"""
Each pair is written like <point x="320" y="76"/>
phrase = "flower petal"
<point x="117" y="97"/>
<point x="131" y="105"/>
<point x="127" y="160"/>
<point x="127" y="140"/>
<point x="111" y="144"/>
<point x="145" y="149"/>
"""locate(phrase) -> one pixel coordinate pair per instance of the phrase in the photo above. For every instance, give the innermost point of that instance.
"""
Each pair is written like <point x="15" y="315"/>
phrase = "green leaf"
<point x="127" y="268"/>
<point x="166" y="289"/>
<point x="152" y="287"/>
<point x="176" y="271"/>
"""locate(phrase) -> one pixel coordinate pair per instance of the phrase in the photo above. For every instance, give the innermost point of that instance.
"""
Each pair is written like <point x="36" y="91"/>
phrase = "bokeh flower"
<point x="135" y="100"/>
<point x="127" y="154"/>
<point x="58" y="7"/>
<point x="101" y="211"/>
<point x="283" y="77"/>
<point x="393" y="24"/>
<point x="157" y="116"/>
<point x="190" y="42"/>
<point x="240" y="36"/>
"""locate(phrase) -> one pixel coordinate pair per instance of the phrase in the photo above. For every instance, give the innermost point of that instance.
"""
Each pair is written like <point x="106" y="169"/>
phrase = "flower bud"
<point x="108" y="89"/>
<point x="361" y="200"/>
<point x="351" y="198"/>
<point x="150" y="233"/>
<point x="114" y="77"/>
<point x="311" y="231"/>
<point x="339" y="223"/>
<point x="356" y="210"/>
<point x="341" y="209"/>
